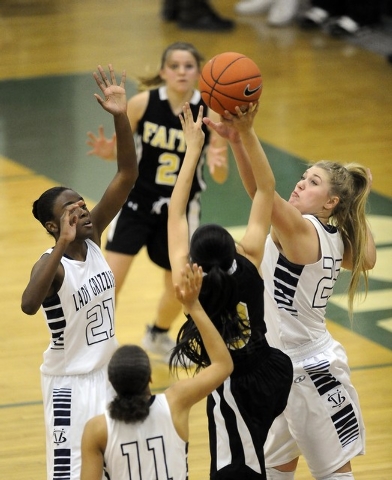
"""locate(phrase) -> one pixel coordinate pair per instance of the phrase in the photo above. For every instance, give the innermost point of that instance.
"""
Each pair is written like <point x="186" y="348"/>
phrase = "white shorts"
<point x="322" y="420"/>
<point x="69" y="401"/>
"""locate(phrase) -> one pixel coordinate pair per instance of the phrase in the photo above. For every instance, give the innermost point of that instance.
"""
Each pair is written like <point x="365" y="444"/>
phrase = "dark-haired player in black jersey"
<point x="242" y="409"/>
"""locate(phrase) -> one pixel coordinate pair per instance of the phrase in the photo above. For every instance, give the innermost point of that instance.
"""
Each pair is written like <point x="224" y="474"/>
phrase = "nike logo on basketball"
<point x="248" y="92"/>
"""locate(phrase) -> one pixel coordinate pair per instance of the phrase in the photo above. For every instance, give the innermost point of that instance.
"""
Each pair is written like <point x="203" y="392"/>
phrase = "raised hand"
<point x="194" y="135"/>
<point x="191" y="280"/>
<point x="224" y="128"/>
<point x="230" y="126"/>
<point x="101" y="146"/>
<point x="69" y="220"/>
<point x="243" y="120"/>
<point x="115" y="98"/>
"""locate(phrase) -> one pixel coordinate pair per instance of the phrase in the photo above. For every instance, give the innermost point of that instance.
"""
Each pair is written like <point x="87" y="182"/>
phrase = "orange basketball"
<point x="228" y="80"/>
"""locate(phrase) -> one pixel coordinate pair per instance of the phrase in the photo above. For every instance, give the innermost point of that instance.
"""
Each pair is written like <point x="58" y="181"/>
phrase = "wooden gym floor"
<point x="322" y="98"/>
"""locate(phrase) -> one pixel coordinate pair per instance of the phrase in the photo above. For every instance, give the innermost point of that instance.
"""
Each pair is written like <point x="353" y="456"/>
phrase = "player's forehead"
<point x="67" y="197"/>
<point x="318" y="173"/>
<point x="180" y="56"/>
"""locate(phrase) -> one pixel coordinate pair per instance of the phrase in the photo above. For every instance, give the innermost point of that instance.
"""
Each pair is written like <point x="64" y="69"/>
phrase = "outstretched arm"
<point x="227" y="131"/>
<point x="178" y="230"/>
<point x="115" y="102"/>
<point x="260" y="215"/>
<point x="256" y="175"/>
<point x="185" y="393"/>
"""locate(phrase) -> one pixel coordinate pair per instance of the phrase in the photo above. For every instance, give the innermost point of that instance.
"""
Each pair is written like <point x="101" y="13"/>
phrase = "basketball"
<point x="228" y="80"/>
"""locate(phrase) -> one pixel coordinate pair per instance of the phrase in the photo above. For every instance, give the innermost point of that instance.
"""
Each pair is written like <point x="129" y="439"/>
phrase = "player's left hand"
<point x="115" y="98"/>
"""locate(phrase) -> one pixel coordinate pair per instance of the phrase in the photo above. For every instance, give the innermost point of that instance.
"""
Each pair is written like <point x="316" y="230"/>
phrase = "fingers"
<point x="187" y="113"/>
<point x="181" y="120"/>
<point x="227" y="115"/>
<point x="200" y="115"/>
<point x="105" y="80"/>
<point x="102" y="80"/>
<point x="99" y="99"/>
<point x="74" y="206"/>
<point x="112" y="75"/>
<point x="186" y="117"/>
<point x="192" y="276"/>
<point x="123" y="78"/>
<point x="195" y="274"/>
<point x="71" y="212"/>
<point x="191" y="281"/>
<point x="177" y="292"/>
<point x="92" y="137"/>
<point x="240" y="113"/>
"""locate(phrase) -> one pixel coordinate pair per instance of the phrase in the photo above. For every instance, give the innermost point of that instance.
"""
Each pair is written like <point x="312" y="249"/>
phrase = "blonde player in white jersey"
<point x="142" y="435"/>
<point x="321" y="229"/>
<point x="75" y="287"/>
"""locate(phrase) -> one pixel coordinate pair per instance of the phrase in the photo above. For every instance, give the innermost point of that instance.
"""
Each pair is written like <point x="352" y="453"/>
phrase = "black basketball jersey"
<point x="161" y="149"/>
<point x="251" y="308"/>
<point x="241" y="410"/>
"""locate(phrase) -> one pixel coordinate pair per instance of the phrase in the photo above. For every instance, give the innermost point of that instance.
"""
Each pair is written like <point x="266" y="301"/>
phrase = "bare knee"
<point x="343" y="473"/>
<point x="283" y="472"/>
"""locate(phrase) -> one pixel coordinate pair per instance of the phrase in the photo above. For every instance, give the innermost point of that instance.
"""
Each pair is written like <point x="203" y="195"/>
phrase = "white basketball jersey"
<point x="80" y="316"/>
<point x="296" y="295"/>
<point x="150" y="449"/>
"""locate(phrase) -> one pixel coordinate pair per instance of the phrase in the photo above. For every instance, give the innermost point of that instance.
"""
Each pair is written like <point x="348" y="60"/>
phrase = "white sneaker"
<point x="315" y="17"/>
<point x="158" y="343"/>
<point x="343" y="26"/>
<point x="251" y="7"/>
<point x="282" y="12"/>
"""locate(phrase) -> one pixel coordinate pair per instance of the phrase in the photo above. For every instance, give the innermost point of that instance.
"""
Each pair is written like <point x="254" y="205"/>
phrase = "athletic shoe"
<point x="158" y="343"/>
<point x="282" y="12"/>
<point x="208" y="21"/>
<point x="252" y="7"/>
<point x="313" y="18"/>
<point x="343" y="26"/>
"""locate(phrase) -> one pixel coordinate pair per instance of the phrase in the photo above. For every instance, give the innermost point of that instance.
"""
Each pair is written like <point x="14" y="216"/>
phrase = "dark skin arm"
<point x="47" y="274"/>
<point x="115" y="102"/>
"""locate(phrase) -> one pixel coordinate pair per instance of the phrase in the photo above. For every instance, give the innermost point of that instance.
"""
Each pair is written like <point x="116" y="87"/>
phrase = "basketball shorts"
<point x="322" y="420"/>
<point x="69" y="401"/>
<point x="240" y="414"/>
<point x="135" y="226"/>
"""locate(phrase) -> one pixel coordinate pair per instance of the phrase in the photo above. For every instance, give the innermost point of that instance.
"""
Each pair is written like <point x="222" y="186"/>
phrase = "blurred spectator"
<point x="280" y="12"/>
<point x="195" y="15"/>
<point x="341" y="17"/>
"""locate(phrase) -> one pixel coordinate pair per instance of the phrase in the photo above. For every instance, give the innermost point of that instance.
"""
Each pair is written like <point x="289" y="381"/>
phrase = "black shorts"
<point x="249" y="403"/>
<point x="139" y="226"/>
